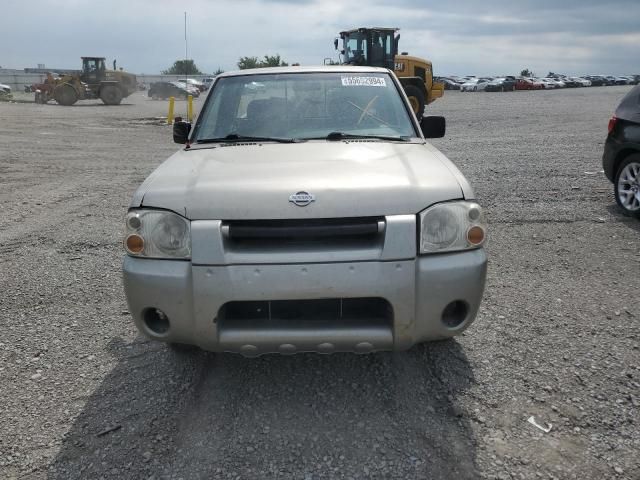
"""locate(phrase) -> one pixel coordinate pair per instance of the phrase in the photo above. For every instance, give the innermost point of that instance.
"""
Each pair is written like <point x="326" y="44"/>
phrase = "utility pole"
<point x="186" y="51"/>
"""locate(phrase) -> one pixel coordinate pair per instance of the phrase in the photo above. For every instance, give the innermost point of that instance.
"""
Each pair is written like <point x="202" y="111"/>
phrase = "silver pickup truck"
<point x="306" y="212"/>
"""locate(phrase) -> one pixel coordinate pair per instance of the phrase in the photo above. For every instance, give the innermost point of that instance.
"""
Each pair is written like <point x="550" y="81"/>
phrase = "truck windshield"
<point x="304" y="106"/>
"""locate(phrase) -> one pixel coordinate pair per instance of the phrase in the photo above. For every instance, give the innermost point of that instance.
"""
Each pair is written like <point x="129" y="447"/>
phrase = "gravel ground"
<point x="557" y="337"/>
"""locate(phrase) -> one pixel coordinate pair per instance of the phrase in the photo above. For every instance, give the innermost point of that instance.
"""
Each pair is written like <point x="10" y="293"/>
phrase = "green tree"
<point x="248" y="62"/>
<point x="218" y="71"/>
<point x="273" y="61"/>
<point x="269" y="61"/>
<point x="526" y="73"/>
<point x="183" y="67"/>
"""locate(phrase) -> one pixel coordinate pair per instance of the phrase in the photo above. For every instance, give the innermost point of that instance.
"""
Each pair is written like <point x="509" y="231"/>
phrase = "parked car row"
<point x="164" y="90"/>
<point x="509" y="83"/>
<point x="180" y="88"/>
<point x="608" y="80"/>
<point x="499" y="84"/>
<point x="202" y="87"/>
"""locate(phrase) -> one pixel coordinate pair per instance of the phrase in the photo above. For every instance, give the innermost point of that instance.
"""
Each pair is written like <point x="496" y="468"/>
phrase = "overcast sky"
<point x="460" y="37"/>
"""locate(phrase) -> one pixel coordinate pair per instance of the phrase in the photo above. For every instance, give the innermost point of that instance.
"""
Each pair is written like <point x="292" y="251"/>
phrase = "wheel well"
<point x="414" y="81"/>
<point x="622" y="154"/>
<point x="110" y="83"/>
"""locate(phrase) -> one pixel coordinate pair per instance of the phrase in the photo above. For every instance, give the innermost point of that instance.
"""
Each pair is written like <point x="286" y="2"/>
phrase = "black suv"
<point x="597" y="80"/>
<point x="621" y="158"/>
<point x="502" y="84"/>
<point x="164" y="90"/>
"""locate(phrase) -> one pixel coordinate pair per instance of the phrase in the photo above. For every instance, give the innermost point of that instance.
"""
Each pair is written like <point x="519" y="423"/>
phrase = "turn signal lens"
<point x="475" y="235"/>
<point x="134" y="244"/>
<point x="612" y="123"/>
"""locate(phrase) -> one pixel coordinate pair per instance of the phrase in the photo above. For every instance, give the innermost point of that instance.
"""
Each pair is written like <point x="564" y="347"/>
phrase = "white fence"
<point x="17" y="81"/>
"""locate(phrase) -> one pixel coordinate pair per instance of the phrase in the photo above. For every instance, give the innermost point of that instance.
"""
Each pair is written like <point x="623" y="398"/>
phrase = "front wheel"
<point x="416" y="99"/>
<point x="110" y="95"/>
<point x="65" y="95"/>
<point x="627" y="186"/>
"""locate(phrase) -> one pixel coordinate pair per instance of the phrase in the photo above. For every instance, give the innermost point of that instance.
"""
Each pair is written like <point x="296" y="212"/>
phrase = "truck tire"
<point x="110" y="95"/>
<point x="416" y="98"/>
<point x="626" y="180"/>
<point x="65" y="95"/>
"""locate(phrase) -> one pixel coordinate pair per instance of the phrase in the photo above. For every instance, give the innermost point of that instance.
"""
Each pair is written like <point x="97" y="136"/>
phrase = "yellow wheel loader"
<point x="378" y="47"/>
<point x="94" y="81"/>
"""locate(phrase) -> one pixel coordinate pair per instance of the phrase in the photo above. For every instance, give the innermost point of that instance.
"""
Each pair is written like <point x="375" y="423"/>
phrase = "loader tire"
<point x="416" y="99"/>
<point x="65" y="95"/>
<point x="111" y="95"/>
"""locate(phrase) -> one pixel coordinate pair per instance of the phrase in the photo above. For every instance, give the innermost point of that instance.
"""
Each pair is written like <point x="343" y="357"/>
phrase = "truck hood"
<point x="347" y="179"/>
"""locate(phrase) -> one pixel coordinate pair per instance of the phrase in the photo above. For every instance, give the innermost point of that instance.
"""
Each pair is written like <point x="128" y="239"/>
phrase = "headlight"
<point x="157" y="234"/>
<point x="451" y="226"/>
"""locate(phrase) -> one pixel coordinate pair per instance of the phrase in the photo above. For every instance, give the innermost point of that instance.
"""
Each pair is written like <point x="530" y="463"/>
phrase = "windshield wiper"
<point x="333" y="136"/>
<point x="234" y="137"/>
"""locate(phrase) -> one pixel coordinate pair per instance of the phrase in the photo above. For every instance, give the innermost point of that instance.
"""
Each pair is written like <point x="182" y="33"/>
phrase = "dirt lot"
<point x="558" y="335"/>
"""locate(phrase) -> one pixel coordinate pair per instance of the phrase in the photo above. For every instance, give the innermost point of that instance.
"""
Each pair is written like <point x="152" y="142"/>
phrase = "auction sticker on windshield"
<point x="363" y="81"/>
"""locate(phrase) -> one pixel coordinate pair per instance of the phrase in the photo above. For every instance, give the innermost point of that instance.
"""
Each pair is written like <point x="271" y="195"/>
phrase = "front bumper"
<point x="418" y="291"/>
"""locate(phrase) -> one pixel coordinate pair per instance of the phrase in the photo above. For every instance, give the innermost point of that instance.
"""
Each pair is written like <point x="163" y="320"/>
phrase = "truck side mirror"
<point x="335" y="43"/>
<point x="181" y="131"/>
<point x="433" y="126"/>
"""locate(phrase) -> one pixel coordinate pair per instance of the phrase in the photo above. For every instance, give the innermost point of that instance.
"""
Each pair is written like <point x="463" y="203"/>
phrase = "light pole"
<point x="186" y="51"/>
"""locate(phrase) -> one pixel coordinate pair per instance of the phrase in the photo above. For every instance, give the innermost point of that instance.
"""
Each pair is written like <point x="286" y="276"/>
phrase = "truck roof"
<point x="352" y="30"/>
<point x="309" y="69"/>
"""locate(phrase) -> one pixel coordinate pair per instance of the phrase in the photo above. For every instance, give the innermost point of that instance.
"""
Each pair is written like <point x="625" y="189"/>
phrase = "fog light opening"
<point x="156" y="321"/>
<point x="455" y="314"/>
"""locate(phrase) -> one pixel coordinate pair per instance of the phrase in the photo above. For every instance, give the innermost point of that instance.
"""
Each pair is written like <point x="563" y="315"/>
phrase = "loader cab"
<point x="374" y="47"/>
<point x="93" y="69"/>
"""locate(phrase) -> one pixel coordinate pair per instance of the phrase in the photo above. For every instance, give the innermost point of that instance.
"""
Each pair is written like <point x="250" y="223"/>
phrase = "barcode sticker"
<point x="364" y="82"/>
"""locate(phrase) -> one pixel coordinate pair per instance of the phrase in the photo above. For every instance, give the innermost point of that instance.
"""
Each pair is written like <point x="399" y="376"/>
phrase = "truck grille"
<point x="264" y="235"/>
